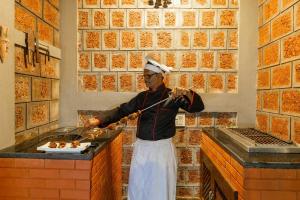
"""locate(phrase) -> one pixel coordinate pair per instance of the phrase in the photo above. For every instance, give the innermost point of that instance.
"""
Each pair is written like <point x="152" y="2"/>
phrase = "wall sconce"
<point x="3" y="43"/>
<point x="158" y="3"/>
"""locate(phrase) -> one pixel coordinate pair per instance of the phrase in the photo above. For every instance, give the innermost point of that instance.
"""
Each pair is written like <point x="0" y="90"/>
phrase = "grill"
<point x="253" y="140"/>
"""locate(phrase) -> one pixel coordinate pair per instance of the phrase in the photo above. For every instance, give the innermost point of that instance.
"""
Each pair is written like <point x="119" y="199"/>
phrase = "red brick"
<point x="59" y="164"/>
<point x="11" y="172"/>
<point x="278" y="195"/>
<point x="290" y="102"/>
<point x="286" y="3"/>
<point x="195" y="137"/>
<point x="29" y="163"/>
<point x="184" y="192"/>
<point x="7" y="162"/>
<point x="83" y="164"/>
<point x="74" y="194"/>
<point x="180" y="137"/>
<point x="44" y="193"/>
<point x="44" y="173"/>
<point x="125" y="175"/>
<point x="127" y="154"/>
<point x="74" y="174"/>
<point x="252" y="173"/>
<point x="270" y="101"/>
<point x="281" y="76"/>
<point x="185" y="156"/>
<point x="297" y="16"/>
<point x="258" y="100"/>
<point x="12" y="192"/>
<point x="29" y="183"/>
<point x="193" y="176"/>
<point x="60" y="184"/>
<point x="253" y="184"/>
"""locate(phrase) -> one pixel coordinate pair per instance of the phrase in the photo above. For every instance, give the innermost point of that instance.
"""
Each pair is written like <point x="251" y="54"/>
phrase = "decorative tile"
<point x="170" y="59"/>
<point x="184" y="4"/>
<point x="297" y="16"/>
<point x="20" y="117"/>
<point x="117" y="18"/>
<point x="207" y="18"/>
<point x="227" y="18"/>
<point x="215" y="83"/>
<point x="206" y="119"/>
<point x="183" y="39"/>
<point x="54" y="110"/>
<point x="109" y="82"/>
<point x="280" y="127"/>
<point x="79" y="40"/>
<point x="91" y="3"/>
<point x="188" y="61"/>
<point x="263" y="79"/>
<point x="136" y="61"/>
<point x="84" y="19"/>
<point x="189" y="18"/>
<point x="233" y="39"/>
<point x="270" y="101"/>
<point x="23" y="67"/>
<point x="109" y="3"/>
<point x="128" y="3"/>
<point x="200" y="3"/>
<point x="170" y="18"/>
<point x="146" y="39"/>
<point x="262" y="121"/>
<point x="282" y="25"/>
<point x="281" y="76"/>
<point x="45" y="32"/>
<point x="26" y="135"/>
<point x="140" y="83"/>
<point x="219" y="3"/>
<point x="110" y="40"/>
<point x="170" y="80"/>
<point x="118" y="61"/>
<point x="218" y="39"/>
<point x="153" y="18"/>
<point x="100" y="18"/>
<point x="264" y="34"/>
<point x="88" y="82"/>
<point x="233" y="3"/>
<point x="128" y="40"/>
<point x="227" y="60"/>
<point x="50" y="69"/>
<point x="295" y="134"/>
<point x="226" y="120"/>
<point x="92" y="40"/>
<point x="155" y="55"/>
<point x="270" y="9"/>
<point x="183" y="80"/>
<point x="100" y="61"/>
<point x="135" y="18"/>
<point x="232" y="83"/>
<point x="200" y="39"/>
<point x="207" y="60"/>
<point x="55" y="89"/>
<point x="84" y="61"/>
<point x="22" y="88"/>
<point x="296" y="74"/>
<point x="164" y="39"/>
<point x="271" y="54"/>
<point x="126" y="82"/>
<point x="41" y="89"/>
<point x="199" y="82"/>
<point x="37" y="114"/>
<point x="144" y="4"/>
<point x="290" y="103"/>
<point x="289" y="48"/>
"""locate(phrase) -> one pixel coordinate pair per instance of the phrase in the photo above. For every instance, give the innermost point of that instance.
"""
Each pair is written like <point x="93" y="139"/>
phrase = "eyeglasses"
<point x="148" y="76"/>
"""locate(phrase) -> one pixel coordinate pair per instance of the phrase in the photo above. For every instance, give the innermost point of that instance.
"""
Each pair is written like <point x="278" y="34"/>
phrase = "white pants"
<point x="153" y="171"/>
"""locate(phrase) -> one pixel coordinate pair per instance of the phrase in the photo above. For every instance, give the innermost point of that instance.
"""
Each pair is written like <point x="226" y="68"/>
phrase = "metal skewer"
<point x="164" y="100"/>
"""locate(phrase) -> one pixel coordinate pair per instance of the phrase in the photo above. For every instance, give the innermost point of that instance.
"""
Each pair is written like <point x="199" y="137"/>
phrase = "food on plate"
<point x="52" y="145"/>
<point x="62" y="144"/>
<point x="75" y="144"/>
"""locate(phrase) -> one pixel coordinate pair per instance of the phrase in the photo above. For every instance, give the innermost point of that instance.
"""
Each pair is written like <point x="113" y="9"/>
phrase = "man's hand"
<point x="91" y="122"/>
<point x="179" y="92"/>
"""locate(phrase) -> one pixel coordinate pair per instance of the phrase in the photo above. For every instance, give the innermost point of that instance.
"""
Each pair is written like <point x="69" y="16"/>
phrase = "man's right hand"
<point x="92" y="122"/>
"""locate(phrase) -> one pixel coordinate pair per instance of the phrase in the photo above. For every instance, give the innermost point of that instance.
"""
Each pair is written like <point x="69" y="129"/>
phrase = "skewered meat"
<point x="133" y="115"/>
<point x="112" y="126"/>
<point x="52" y="145"/>
<point x="124" y="120"/>
<point x="75" y="144"/>
<point x="62" y="144"/>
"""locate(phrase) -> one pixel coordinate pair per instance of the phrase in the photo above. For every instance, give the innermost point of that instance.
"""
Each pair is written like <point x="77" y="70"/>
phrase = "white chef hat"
<point x="156" y="67"/>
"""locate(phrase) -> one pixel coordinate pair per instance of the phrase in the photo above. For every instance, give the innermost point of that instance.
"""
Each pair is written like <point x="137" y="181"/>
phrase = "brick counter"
<point x="98" y="178"/>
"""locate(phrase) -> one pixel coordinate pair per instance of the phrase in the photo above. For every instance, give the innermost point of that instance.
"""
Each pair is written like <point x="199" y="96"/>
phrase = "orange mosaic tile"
<point x="170" y="59"/>
<point x="227" y="60"/>
<point x="270" y="9"/>
<point x="262" y="122"/>
<point x="215" y="83"/>
<point x="38" y="114"/>
<point x="20" y="117"/>
<point x="201" y="4"/>
<point x="100" y="61"/>
<point x="183" y="39"/>
<point x="260" y="57"/>
<point x="296" y="130"/>
<point x="189" y="18"/>
<point x="290" y="47"/>
<point x="117" y="19"/>
<point x="297" y="16"/>
<point x="45" y="32"/>
<point x="51" y="15"/>
<point x="170" y="19"/>
<point x="280" y="127"/>
<point x="109" y="3"/>
<point x="84" y="61"/>
<point x="140" y="83"/>
<point x="50" y="69"/>
<point x="126" y="83"/>
<point x="271" y="54"/>
<point x="233" y="39"/>
<point x="164" y="39"/>
<point x="188" y="61"/>
<point x="92" y="39"/>
<point x="55" y="89"/>
<point x="296" y="74"/>
<point x="110" y="40"/>
<point x="33" y="5"/>
<point x="135" y="18"/>
<point x="227" y="18"/>
<point x="219" y="3"/>
<point x="270" y="101"/>
<point x="281" y="76"/>
<point x="286" y="3"/>
<point x="83" y="19"/>
<point x="24" y="21"/>
<point x="91" y="3"/>
<point x="290" y="102"/>
<point x="207" y="60"/>
<point x="282" y="25"/>
<point x="146" y="39"/>
<point x="100" y="18"/>
<point x="108" y="82"/>
<point x="152" y="18"/>
<point x="258" y="100"/>
<point x="135" y="60"/>
<point x="22" y="88"/>
<point x="232" y="83"/>
<point x="225" y="120"/>
<point x="218" y="39"/>
<point x="118" y="61"/>
<point x="41" y="89"/>
<point x="154" y="55"/>
<point x="233" y="3"/>
<point x="264" y="34"/>
<point x="128" y="3"/>
<point x="207" y="18"/>
<point x="199" y="82"/>
<point x="89" y="82"/>
<point x="263" y="79"/>
<point x="54" y="110"/>
<point x="206" y="119"/>
<point x="128" y="40"/>
<point x="200" y="40"/>
<point x="184" y="80"/>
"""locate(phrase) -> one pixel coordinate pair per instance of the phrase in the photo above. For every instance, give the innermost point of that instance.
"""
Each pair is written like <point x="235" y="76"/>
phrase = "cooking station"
<point x="243" y="163"/>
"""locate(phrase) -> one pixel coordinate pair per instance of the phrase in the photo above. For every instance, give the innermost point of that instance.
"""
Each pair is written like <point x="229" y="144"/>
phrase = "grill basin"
<point x="256" y="141"/>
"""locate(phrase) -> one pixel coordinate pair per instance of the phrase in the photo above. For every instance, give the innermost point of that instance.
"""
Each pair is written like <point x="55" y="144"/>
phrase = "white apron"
<point x="153" y="171"/>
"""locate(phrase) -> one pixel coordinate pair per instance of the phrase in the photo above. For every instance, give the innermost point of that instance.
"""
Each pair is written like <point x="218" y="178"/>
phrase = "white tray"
<point x="66" y="149"/>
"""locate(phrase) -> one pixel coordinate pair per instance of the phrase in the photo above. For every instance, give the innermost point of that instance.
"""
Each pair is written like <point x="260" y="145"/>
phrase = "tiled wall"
<point x="198" y="38"/>
<point x="278" y="74"/>
<point x="36" y="84"/>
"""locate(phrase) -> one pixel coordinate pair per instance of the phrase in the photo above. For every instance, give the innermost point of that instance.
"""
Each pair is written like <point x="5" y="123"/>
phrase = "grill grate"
<point x="259" y="137"/>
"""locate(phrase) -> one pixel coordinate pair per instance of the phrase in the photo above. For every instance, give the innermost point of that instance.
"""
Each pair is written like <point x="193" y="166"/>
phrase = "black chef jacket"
<point x="157" y="122"/>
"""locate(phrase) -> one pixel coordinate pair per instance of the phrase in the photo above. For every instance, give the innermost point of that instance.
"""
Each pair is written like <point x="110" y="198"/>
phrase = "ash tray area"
<point x="66" y="149"/>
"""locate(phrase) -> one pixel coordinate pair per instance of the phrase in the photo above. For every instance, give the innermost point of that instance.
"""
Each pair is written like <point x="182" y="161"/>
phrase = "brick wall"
<point x="278" y="74"/>
<point x="36" y="84"/>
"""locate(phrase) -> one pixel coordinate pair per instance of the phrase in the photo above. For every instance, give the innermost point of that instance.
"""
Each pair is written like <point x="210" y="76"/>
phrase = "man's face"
<point x="150" y="78"/>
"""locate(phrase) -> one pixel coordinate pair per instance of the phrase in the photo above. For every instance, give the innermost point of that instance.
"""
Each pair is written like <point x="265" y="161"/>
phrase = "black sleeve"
<point x="109" y="116"/>
<point x="192" y="106"/>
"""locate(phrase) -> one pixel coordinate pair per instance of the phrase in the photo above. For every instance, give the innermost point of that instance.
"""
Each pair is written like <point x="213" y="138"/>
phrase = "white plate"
<point x="66" y="149"/>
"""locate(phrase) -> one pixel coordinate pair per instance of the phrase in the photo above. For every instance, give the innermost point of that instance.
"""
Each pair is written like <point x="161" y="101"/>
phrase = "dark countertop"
<point x="253" y="160"/>
<point x="28" y="149"/>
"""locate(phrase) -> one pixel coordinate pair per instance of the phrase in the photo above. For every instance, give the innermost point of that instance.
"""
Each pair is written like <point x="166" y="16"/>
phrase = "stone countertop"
<point x="253" y="160"/>
<point x="28" y="149"/>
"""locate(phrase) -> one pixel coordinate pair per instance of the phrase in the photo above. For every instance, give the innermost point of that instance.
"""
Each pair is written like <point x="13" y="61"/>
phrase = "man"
<point x="153" y="166"/>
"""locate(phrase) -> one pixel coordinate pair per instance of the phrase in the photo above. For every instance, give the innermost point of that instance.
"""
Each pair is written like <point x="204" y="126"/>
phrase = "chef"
<point x="153" y="165"/>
